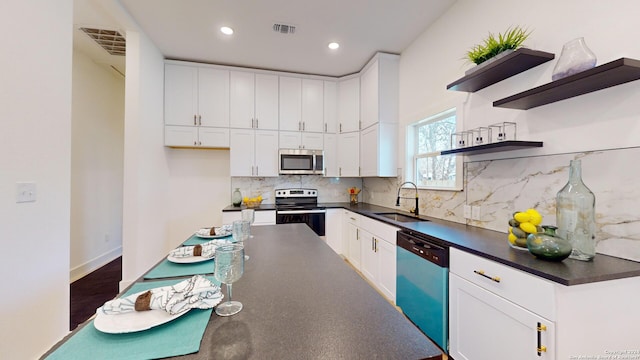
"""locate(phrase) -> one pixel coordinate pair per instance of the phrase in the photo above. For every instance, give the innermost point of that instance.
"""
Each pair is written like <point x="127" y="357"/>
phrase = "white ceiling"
<point x="189" y="30"/>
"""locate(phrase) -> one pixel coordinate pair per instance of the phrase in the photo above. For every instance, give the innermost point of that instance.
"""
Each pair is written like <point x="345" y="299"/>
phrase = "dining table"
<point x="301" y="300"/>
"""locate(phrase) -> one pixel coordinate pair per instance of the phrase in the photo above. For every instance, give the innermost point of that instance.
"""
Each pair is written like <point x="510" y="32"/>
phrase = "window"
<point x="428" y="168"/>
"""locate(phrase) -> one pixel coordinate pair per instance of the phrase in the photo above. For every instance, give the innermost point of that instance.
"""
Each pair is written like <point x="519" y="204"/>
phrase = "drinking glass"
<point x="240" y="231"/>
<point x="250" y="216"/>
<point x="229" y="267"/>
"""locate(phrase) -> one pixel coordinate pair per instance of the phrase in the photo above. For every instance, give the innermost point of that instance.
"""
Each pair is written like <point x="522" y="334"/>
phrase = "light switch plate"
<point x="25" y="192"/>
<point x="467" y="211"/>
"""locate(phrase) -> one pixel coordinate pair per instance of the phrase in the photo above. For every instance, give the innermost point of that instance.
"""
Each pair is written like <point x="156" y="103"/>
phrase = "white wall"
<point x="601" y="128"/>
<point x="97" y="151"/>
<point x="145" y="223"/>
<point x="35" y="146"/>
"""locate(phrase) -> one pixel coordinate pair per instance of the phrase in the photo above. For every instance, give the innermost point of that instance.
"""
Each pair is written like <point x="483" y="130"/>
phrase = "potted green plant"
<point x="494" y="47"/>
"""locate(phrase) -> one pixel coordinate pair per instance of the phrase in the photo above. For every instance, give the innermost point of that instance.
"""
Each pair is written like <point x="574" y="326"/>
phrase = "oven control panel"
<point x="281" y="193"/>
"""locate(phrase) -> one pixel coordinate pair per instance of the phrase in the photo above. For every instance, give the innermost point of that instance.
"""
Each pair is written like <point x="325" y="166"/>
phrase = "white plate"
<point x="132" y="321"/>
<point x="188" y="259"/>
<point x="203" y="236"/>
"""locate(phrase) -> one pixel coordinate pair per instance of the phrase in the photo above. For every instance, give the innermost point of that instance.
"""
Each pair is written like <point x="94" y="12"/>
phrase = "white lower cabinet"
<point x="351" y="238"/>
<point x="333" y="230"/>
<point x="264" y="217"/>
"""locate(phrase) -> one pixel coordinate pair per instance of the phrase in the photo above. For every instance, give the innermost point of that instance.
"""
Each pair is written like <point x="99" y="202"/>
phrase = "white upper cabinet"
<point x="253" y="152"/>
<point x="378" y="149"/>
<point x="349" y="153"/>
<point x="301" y="104"/>
<point x="330" y="155"/>
<point x="253" y="102"/>
<point x="290" y="104"/>
<point x="301" y="140"/>
<point x="349" y="105"/>
<point x="312" y="105"/>
<point x="379" y="90"/>
<point x="330" y="107"/>
<point x="196" y="96"/>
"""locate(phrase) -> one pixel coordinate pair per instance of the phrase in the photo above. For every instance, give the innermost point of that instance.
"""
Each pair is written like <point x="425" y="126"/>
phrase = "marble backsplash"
<point x="500" y="187"/>
<point x="329" y="189"/>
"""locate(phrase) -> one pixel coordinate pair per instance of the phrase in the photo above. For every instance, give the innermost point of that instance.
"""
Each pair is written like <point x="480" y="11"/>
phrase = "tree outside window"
<point x="433" y="135"/>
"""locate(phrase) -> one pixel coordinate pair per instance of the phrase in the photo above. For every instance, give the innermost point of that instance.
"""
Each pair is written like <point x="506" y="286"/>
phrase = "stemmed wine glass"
<point x="240" y="232"/>
<point x="229" y="267"/>
<point x="250" y="216"/>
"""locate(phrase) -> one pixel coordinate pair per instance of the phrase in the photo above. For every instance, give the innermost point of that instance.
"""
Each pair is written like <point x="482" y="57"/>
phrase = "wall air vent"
<point x="284" y="29"/>
<point x="110" y="40"/>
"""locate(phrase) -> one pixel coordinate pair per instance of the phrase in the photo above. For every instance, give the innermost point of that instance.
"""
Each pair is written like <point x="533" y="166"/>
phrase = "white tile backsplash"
<point x="329" y="189"/>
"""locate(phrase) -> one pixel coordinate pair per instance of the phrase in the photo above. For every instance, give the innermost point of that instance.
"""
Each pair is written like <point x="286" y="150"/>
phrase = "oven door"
<point x="313" y="218"/>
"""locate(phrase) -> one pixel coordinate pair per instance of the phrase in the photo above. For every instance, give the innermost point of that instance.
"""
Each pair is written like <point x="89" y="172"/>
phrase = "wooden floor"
<point x="93" y="290"/>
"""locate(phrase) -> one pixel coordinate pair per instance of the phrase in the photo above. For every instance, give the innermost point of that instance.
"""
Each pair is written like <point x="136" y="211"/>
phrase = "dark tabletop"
<point x="302" y="301"/>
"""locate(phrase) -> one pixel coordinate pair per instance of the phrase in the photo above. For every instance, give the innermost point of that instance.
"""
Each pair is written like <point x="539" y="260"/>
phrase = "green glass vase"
<point x="547" y="245"/>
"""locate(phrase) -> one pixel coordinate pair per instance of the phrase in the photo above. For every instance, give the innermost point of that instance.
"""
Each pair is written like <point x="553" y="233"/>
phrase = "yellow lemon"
<point x="245" y="199"/>
<point x="522" y="217"/>
<point x="259" y="197"/>
<point x="536" y="218"/>
<point x="528" y="227"/>
<point x="512" y="238"/>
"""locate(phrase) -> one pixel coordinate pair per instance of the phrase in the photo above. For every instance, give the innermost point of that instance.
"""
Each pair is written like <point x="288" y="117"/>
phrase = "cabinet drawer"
<point x="379" y="229"/>
<point x="526" y="290"/>
<point x="351" y="217"/>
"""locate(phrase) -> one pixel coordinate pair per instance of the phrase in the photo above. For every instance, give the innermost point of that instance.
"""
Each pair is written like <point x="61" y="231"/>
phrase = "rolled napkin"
<point x="212" y="231"/>
<point x="196" y="292"/>
<point x="205" y="250"/>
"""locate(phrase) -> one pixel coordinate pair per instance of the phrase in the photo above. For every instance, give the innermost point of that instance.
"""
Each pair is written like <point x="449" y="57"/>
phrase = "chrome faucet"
<point x="398" y="198"/>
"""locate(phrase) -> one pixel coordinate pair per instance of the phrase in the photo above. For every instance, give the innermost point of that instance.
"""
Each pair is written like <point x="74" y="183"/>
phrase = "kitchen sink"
<point x="400" y="217"/>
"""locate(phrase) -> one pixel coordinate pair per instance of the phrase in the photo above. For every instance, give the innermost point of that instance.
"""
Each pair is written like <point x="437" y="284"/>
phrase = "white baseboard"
<point x="93" y="264"/>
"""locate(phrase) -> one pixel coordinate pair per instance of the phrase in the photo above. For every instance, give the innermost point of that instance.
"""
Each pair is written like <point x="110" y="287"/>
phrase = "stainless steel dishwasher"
<point x="422" y="284"/>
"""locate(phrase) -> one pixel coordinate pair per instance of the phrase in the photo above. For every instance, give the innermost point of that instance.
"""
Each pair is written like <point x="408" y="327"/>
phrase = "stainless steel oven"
<point x="300" y="206"/>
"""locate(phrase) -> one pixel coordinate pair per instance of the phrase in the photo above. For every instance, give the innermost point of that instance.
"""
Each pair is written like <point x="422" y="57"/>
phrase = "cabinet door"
<point x="330" y="112"/>
<point x="312" y="105"/>
<point x="266" y="153"/>
<point x="213" y="137"/>
<point x="290" y="104"/>
<point x="369" y="257"/>
<point x="369" y="96"/>
<point x="289" y="139"/>
<point x="349" y="105"/>
<point x="180" y="136"/>
<point x="241" y="156"/>
<point x="334" y="230"/>
<point x="180" y="95"/>
<point x="241" y="99"/>
<point x="312" y="141"/>
<point x="213" y="97"/>
<point x="349" y="154"/>
<point x="369" y="151"/>
<point x="483" y="325"/>
<point x="353" y="242"/>
<point x="330" y="158"/>
<point x="387" y="272"/>
<point x="266" y="102"/>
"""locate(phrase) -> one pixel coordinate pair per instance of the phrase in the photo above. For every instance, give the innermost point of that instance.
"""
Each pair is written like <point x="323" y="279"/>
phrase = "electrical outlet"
<point x="467" y="211"/>
<point x="475" y="213"/>
<point x="26" y="192"/>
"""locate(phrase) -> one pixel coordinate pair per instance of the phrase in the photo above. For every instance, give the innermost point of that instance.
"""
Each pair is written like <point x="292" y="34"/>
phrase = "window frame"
<point x="412" y="154"/>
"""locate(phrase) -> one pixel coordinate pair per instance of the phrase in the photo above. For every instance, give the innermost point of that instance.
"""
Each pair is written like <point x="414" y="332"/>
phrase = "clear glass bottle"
<point x="574" y="58"/>
<point x="575" y="215"/>
<point x="236" y="197"/>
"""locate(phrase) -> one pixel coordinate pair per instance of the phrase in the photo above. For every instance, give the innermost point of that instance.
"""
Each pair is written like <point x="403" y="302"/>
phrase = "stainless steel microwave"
<point x="301" y="162"/>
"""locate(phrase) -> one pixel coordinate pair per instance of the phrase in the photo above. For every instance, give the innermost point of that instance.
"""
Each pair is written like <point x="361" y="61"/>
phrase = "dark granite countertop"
<point x="493" y="245"/>
<point x="302" y="301"/>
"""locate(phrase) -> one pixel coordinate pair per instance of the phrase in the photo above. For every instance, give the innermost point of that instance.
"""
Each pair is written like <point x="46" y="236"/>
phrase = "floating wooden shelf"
<point x="601" y="77"/>
<point x="518" y="61"/>
<point x="494" y="147"/>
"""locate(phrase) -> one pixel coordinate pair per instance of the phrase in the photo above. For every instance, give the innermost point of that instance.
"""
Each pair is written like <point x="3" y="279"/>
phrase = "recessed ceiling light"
<point x="226" y="30"/>
<point x="333" y="45"/>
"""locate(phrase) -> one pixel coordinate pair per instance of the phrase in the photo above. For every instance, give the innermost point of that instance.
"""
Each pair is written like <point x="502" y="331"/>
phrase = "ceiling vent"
<point x="110" y="40"/>
<point x="284" y="29"/>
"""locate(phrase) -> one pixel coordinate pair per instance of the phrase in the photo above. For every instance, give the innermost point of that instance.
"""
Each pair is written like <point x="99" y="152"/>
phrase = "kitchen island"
<point x="302" y="301"/>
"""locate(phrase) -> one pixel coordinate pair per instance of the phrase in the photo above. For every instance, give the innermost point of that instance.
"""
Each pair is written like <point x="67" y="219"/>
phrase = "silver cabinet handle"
<point x="200" y="143"/>
<point x="340" y="127"/>
<point x="194" y="120"/>
<point x="299" y="127"/>
<point x="199" y="119"/>
<point x="325" y="127"/>
<point x="257" y="172"/>
<point x="257" y="124"/>
<point x="194" y="143"/>
<point x="339" y="171"/>
<point x="303" y="126"/>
